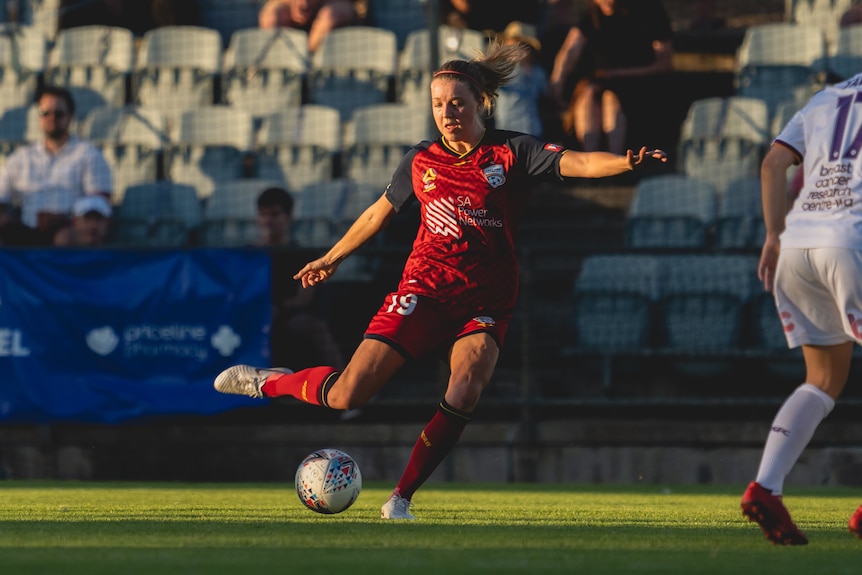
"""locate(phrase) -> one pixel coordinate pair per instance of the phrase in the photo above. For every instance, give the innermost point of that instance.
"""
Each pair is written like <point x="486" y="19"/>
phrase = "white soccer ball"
<point x="328" y="481"/>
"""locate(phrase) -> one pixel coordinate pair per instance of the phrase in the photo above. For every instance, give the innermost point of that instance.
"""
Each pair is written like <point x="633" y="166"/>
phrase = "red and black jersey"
<point x="470" y="208"/>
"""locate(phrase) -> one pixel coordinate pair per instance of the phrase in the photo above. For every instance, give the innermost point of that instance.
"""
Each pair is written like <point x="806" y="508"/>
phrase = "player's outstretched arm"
<point x="366" y="226"/>
<point x="603" y="164"/>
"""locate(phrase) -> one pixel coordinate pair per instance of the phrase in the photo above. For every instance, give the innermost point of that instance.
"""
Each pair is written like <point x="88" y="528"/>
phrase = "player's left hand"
<point x="637" y="159"/>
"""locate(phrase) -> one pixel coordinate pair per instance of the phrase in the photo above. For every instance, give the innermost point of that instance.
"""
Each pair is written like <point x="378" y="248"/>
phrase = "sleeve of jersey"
<point x="539" y="159"/>
<point x="399" y="192"/>
<point x="792" y="136"/>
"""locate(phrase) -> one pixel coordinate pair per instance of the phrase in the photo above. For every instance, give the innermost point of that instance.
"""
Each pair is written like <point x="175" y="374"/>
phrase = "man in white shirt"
<point x="45" y="178"/>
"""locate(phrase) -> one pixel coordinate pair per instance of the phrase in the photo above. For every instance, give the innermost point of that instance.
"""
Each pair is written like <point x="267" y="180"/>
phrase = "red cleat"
<point x="855" y="524"/>
<point x="768" y="511"/>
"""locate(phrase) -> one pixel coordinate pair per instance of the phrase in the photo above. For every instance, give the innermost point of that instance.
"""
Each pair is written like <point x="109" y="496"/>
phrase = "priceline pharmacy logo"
<point x="176" y="341"/>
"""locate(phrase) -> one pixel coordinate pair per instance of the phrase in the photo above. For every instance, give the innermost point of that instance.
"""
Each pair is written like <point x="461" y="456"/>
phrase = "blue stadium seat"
<point x="94" y="63"/>
<point x="211" y="146"/>
<point x="671" y="211"/>
<point x="299" y="146"/>
<point x="264" y="69"/>
<point x="354" y="67"/>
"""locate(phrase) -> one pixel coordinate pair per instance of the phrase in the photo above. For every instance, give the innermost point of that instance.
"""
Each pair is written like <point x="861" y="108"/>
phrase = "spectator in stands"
<point x="608" y="68"/>
<point x="317" y="17"/>
<point x="851" y="17"/>
<point x="459" y="284"/>
<point x="47" y="177"/>
<point x="489" y="16"/>
<point x="89" y="226"/>
<point x="811" y="261"/>
<point x="298" y="336"/>
<point x="520" y="102"/>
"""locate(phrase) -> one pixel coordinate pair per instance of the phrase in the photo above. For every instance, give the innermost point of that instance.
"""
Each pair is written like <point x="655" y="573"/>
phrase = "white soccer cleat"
<point x="245" y="379"/>
<point x="397" y="508"/>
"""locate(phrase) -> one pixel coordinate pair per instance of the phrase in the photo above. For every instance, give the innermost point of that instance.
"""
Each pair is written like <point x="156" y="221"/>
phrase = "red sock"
<point x="435" y="442"/>
<point x="309" y="385"/>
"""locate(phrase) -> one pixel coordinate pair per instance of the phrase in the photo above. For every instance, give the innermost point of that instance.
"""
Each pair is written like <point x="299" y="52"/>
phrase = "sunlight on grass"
<point x="94" y="528"/>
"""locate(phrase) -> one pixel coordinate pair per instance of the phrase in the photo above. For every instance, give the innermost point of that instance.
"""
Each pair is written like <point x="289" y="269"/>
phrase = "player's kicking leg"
<point x="246" y="380"/>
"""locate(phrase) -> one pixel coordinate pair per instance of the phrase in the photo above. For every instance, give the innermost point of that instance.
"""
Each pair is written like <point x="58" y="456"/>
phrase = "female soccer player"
<point x="459" y="283"/>
<point x="811" y="260"/>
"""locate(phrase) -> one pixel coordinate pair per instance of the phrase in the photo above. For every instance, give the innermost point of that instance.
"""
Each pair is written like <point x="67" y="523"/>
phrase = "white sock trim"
<point x="828" y="402"/>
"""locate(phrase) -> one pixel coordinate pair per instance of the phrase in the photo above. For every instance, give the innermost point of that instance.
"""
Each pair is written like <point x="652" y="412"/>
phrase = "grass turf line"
<point x="72" y="528"/>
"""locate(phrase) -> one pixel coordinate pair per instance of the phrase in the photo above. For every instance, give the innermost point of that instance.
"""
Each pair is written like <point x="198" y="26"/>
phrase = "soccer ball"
<point x="328" y="481"/>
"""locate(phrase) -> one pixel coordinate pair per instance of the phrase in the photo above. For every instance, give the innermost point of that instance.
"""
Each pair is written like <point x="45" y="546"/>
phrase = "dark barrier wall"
<point x="104" y="336"/>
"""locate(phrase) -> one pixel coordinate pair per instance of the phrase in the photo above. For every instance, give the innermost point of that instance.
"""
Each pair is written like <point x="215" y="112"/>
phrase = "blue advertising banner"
<point x="104" y="335"/>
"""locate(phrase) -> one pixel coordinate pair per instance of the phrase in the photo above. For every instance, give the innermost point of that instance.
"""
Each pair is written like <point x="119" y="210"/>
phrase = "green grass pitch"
<point x="70" y="528"/>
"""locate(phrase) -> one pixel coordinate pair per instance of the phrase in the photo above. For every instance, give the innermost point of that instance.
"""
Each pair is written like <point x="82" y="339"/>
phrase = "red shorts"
<point x="416" y="325"/>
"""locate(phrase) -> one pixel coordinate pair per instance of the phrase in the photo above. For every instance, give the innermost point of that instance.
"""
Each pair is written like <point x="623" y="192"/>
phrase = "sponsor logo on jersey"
<point x="553" y="147"/>
<point x="441" y="218"/>
<point x="484" y="321"/>
<point x="495" y="175"/>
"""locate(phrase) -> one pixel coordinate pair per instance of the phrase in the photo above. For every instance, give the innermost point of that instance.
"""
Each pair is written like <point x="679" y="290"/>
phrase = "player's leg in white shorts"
<point x="819" y="296"/>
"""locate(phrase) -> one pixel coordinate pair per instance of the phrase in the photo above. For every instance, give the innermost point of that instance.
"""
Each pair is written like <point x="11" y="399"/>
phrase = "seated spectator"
<point x="519" y="102"/>
<point x="851" y="17"/>
<point x="490" y="16"/>
<point x="298" y="337"/>
<point x="89" y="226"/>
<point x="47" y="177"/>
<point x="317" y="17"/>
<point x="621" y="48"/>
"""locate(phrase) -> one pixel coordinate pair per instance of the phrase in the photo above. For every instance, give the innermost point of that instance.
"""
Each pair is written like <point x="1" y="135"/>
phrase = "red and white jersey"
<point x="827" y="135"/>
<point x="470" y="208"/>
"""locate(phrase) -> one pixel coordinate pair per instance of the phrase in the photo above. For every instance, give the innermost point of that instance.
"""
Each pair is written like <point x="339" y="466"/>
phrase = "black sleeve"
<point x="399" y="192"/>
<point x="539" y="159"/>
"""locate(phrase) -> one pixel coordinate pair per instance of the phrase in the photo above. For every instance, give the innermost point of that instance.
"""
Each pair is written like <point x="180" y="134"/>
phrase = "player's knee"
<point x="345" y="397"/>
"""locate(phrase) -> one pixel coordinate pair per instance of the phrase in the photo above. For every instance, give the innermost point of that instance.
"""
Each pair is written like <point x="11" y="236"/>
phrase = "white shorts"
<point x="818" y="294"/>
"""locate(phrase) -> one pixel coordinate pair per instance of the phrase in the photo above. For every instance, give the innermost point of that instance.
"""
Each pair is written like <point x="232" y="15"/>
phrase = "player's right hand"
<point x="315" y="272"/>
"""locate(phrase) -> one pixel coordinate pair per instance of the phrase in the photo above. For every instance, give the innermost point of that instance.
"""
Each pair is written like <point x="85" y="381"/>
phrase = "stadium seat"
<point x="212" y="145"/>
<point x="400" y="16"/>
<point x="299" y="146"/>
<point x="415" y="63"/>
<point x="319" y="212"/>
<point x="823" y="14"/>
<point x="23" y="52"/>
<point x="230" y="213"/>
<point x="322" y="214"/>
<point x="769" y="70"/>
<point x="740" y="217"/>
<point x="704" y="302"/>
<point x="176" y="70"/>
<point x="18" y="126"/>
<point x="846" y="60"/>
<point x="379" y="136"/>
<point x="94" y="63"/>
<point x="613" y="313"/>
<point x="614" y="298"/>
<point x="158" y="214"/>
<point x="41" y="16"/>
<point x="354" y="67"/>
<point x="132" y="139"/>
<point x="671" y="211"/>
<point x="264" y="69"/>
<point x="723" y="139"/>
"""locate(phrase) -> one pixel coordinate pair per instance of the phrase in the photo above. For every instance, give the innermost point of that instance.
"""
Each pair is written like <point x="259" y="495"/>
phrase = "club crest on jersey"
<point x="428" y="178"/>
<point x="495" y="175"/>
